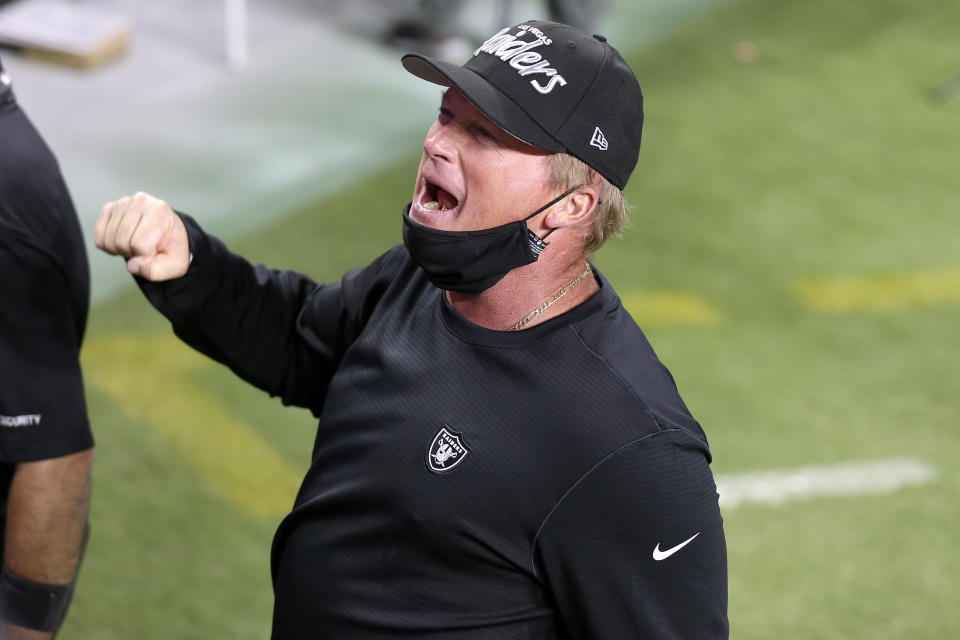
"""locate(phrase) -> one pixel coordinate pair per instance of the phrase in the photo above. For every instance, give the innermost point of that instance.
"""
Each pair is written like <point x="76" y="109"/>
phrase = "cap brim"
<point x="494" y="104"/>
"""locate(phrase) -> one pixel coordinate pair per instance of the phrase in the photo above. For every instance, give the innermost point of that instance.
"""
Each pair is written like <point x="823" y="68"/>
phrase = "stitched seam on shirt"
<point x="478" y="344"/>
<point x="581" y="479"/>
<point x="613" y="370"/>
<point x="633" y="390"/>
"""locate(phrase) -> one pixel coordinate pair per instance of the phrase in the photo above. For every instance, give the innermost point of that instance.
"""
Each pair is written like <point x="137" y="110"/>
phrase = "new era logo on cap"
<point x="598" y="140"/>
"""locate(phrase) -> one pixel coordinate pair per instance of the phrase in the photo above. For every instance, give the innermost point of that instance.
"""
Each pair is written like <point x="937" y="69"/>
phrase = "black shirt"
<point x="467" y="483"/>
<point x="44" y="298"/>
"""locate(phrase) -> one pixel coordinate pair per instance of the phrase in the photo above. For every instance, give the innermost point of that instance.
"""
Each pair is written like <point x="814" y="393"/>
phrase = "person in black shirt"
<point x="46" y="448"/>
<point x="499" y="452"/>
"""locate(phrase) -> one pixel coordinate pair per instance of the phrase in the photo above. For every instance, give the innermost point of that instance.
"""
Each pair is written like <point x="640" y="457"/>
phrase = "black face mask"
<point x="474" y="261"/>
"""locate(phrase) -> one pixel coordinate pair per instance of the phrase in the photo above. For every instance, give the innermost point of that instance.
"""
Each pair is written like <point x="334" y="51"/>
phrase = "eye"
<point x="445" y="115"/>
<point x="487" y="134"/>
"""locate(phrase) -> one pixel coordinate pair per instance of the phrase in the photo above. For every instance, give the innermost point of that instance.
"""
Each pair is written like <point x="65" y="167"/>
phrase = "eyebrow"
<point x="483" y="116"/>
<point x="488" y="120"/>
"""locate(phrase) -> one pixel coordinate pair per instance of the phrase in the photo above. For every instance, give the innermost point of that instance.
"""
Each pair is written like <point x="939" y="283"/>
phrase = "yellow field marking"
<point x="670" y="308"/>
<point x="148" y="376"/>
<point x="893" y="292"/>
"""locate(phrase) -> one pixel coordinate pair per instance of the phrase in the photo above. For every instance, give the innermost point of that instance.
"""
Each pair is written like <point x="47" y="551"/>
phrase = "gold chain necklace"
<point x="559" y="294"/>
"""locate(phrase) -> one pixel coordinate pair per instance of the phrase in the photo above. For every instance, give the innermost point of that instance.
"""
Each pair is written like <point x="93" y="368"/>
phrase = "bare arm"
<point x="46" y="521"/>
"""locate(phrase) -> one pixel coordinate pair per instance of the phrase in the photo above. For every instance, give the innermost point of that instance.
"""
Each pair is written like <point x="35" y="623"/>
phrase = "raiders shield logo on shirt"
<point x="446" y="451"/>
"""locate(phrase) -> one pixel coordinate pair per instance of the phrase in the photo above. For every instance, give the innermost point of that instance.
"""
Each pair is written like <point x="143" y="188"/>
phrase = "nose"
<point x="440" y="142"/>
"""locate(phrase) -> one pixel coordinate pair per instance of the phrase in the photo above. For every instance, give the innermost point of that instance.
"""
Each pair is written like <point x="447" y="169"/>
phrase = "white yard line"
<point x="801" y="483"/>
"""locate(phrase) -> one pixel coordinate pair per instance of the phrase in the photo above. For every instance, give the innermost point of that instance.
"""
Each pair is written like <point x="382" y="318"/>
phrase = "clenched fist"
<point x="148" y="233"/>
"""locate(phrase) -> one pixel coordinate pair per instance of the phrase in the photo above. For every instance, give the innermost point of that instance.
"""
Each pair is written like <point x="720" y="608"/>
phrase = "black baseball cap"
<point x="555" y="87"/>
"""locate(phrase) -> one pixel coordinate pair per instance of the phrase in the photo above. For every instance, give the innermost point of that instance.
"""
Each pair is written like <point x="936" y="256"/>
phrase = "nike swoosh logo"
<point x="663" y="555"/>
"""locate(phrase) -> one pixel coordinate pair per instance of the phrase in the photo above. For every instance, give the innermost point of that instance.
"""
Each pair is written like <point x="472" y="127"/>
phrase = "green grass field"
<point x="793" y="260"/>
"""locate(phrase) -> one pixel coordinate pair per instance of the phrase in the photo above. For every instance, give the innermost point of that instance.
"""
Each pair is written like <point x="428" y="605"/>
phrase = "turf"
<point x="823" y="158"/>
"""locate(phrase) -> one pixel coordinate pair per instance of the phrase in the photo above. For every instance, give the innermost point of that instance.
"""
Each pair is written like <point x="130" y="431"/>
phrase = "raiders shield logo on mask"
<point x="446" y="451"/>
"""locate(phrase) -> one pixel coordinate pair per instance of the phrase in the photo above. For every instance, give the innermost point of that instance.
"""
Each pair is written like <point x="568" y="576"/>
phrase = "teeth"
<point x="432" y="205"/>
<point x="446" y="200"/>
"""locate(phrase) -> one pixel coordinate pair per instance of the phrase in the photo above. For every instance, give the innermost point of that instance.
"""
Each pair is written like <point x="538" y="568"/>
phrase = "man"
<point x="46" y="448"/>
<point x="499" y="454"/>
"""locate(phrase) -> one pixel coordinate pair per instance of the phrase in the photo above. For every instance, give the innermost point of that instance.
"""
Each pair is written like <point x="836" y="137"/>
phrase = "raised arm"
<point x="241" y="315"/>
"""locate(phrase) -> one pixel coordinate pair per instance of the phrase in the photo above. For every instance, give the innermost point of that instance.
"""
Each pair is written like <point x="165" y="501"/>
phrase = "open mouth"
<point x="436" y="198"/>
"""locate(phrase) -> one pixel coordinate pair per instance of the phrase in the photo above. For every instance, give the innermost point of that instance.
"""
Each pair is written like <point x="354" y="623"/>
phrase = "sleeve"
<point x="42" y="409"/>
<point x="636" y="549"/>
<point x="278" y="330"/>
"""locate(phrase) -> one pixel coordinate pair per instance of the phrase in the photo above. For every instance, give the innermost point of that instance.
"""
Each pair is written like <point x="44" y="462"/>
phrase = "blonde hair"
<point x="612" y="212"/>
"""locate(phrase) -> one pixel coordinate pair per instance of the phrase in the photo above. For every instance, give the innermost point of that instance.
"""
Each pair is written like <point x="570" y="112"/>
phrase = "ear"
<point x="576" y="209"/>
